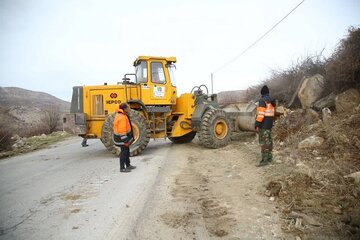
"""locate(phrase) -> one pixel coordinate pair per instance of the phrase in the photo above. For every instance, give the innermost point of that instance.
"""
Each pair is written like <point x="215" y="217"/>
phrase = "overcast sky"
<point x="50" y="46"/>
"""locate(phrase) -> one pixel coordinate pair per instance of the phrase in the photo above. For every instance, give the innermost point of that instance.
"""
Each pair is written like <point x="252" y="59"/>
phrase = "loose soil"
<point x="211" y="194"/>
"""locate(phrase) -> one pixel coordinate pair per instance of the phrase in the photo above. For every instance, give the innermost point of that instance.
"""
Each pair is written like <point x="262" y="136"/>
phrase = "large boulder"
<point x="311" y="90"/>
<point x="311" y="142"/>
<point x="347" y="101"/>
<point x="326" y="102"/>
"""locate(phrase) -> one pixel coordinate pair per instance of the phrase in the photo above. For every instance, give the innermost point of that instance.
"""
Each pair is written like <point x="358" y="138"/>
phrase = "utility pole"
<point x="212" y="83"/>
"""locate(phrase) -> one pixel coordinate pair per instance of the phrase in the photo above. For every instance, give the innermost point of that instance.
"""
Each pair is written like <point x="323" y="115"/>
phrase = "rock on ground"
<point x="347" y="101"/>
<point x="355" y="176"/>
<point x="326" y="115"/>
<point x="326" y="102"/>
<point x="311" y="142"/>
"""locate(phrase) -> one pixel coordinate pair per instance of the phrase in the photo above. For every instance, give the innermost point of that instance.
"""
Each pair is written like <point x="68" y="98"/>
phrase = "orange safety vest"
<point x="121" y="123"/>
<point x="267" y="111"/>
<point x="123" y="135"/>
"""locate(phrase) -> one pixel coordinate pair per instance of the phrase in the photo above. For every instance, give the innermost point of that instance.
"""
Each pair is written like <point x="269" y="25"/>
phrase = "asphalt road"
<point x="70" y="192"/>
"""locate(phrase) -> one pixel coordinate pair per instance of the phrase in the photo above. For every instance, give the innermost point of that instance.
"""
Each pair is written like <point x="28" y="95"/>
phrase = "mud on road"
<point x="210" y="194"/>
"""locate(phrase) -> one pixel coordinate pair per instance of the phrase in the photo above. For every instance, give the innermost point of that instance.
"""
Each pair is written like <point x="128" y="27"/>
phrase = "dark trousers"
<point x="124" y="157"/>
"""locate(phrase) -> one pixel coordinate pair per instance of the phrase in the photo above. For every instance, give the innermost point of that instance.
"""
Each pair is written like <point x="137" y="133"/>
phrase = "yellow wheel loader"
<point x="156" y="111"/>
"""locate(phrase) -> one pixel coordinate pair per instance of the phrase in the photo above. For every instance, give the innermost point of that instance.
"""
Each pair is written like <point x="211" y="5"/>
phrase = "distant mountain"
<point x="26" y="112"/>
<point x="13" y="96"/>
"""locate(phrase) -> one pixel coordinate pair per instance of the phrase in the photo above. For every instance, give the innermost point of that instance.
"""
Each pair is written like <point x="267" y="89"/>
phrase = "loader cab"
<point x="156" y="78"/>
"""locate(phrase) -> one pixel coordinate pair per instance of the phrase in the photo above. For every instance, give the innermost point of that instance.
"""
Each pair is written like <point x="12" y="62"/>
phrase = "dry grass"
<point x="313" y="180"/>
<point x="343" y="67"/>
<point x="9" y="129"/>
<point x="5" y="139"/>
<point x="36" y="142"/>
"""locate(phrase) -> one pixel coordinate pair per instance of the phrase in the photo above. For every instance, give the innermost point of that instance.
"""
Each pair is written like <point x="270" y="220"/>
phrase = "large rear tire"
<point x="183" y="139"/>
<point x="106" y="134"/>
<point x="215" y="129"/>
<point x="140" y="130"/>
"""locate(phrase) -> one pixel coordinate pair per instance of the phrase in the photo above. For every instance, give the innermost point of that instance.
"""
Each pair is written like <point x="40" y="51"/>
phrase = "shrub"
<point x="51" y="120"/>
<point x="5" y="139"/>
<point x="35" y="130"/>
<point x="343" y="67"/>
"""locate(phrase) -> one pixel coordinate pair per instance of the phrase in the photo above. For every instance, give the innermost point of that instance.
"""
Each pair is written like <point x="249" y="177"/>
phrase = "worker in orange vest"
<point x="123" y="136"/>
<point x="263" y="125"/>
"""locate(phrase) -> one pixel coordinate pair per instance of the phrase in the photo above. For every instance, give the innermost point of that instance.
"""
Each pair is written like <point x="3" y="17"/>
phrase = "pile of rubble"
<point x="318" y="147"/>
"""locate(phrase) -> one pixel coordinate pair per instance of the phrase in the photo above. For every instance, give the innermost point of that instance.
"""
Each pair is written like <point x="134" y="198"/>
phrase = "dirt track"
<point x="177" y="192"/>
<point x="210" y="194"/>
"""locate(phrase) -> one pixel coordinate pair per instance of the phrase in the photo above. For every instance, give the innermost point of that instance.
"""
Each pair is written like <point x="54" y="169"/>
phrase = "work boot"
<point x="262" y="163"/>
<point x="125" y="170"/>
<point x="131" y="167"/>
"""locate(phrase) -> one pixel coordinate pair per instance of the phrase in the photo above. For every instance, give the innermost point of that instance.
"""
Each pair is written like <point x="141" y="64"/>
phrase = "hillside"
<point x="13" y="96"/>
<point x="25" y="113"/>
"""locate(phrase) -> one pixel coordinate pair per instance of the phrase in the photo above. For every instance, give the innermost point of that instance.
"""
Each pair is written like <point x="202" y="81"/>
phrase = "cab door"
<point x="160" y="85"/>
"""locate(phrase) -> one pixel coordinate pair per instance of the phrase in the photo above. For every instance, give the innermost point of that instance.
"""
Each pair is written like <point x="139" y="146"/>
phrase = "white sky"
<point x="51" y="46"/>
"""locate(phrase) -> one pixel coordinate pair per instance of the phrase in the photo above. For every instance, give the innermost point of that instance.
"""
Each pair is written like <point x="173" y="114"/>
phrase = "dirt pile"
<point x="317" y="198"/>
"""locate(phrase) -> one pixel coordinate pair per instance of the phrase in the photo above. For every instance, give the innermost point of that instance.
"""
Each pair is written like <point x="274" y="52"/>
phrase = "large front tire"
<point x="140" y="130"/>
<point x="215" y="129"/>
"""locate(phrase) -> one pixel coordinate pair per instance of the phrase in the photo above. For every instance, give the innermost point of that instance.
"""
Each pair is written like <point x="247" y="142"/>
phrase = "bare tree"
<point x="5" y="139"/>
<point x="52" y="118"/>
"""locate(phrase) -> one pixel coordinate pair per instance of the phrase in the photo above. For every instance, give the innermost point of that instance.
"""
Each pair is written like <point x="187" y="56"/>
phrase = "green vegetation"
<point x="24" y="145"/>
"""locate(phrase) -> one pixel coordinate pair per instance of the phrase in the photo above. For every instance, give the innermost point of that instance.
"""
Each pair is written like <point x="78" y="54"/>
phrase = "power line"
<point x="258" y="40"/>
